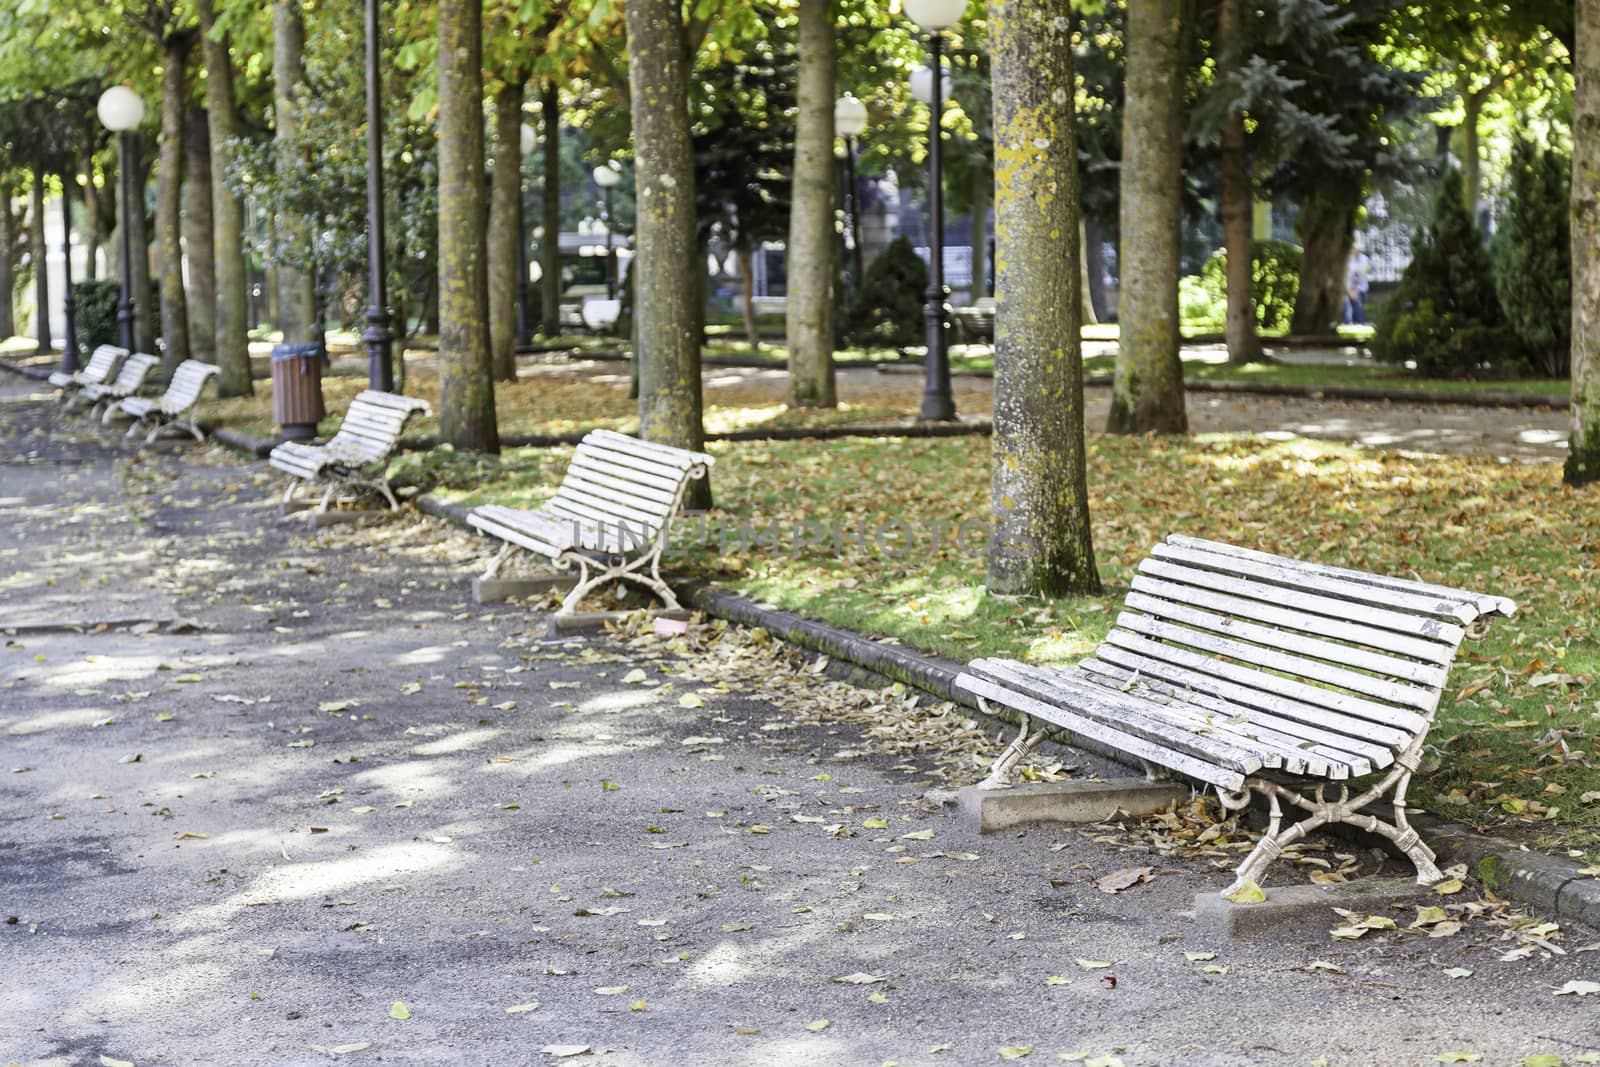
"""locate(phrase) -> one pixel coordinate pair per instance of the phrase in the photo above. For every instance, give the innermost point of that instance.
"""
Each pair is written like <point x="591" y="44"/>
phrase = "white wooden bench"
<point x="175" y="410"/>
<point x="130" y="379"/>
<point x="1256" y="673"/>
<point x="357" y="457"/>
<point x="610" y="516"/>
<point x="103" y="363"/>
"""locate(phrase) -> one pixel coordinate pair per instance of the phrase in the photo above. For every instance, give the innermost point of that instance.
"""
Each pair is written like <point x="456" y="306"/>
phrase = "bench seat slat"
<point x="1191" y="681"/>
<point x="1129" y="715"/>
<point x="1271" y="571"/>
<point x="1239" y="674"/>
<point x="1260" y="735"/>
<point x="1105" y="735"/>
<point x="1310" y="603"/>
<point x="1360" y="755"/>
<point x="1284" y="618"/>
<point x="1213" y="643"/>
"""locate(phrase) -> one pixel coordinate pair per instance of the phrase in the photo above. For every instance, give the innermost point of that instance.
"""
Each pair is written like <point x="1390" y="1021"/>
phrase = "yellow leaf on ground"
<point x="398" y="1010"/>
<point x="1246" y="893"/>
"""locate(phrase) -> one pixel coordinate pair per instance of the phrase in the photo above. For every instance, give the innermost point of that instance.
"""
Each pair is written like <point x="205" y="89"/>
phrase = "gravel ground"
<point x="321" y="793"/>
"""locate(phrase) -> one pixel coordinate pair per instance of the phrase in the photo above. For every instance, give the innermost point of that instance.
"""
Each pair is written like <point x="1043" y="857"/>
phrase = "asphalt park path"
<point x="323" y="810"/>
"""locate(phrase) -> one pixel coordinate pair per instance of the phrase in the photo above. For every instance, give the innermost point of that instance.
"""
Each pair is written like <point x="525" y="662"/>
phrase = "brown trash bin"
<point x="297" y="390"/>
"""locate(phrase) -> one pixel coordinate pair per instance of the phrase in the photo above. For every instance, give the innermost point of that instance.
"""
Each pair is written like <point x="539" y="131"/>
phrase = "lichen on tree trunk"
<point x="41" y="272"/>
<point x="1041" y="541"/>
<point x="1583" y="457"/>
<point x="1324" y="227"/>
<point x="296" y="298"/>
<point x="550" y="243"/>
<point x="227" y="216"/>
<point x="505" y="229"/>
<point x="466" y="385"/>
<point x="809" y="306"/>
<point x="1234" y="194"/>
<point x="198" y="240"/>
<point x="665" y="245"/>
<point x="1147" y="395"/>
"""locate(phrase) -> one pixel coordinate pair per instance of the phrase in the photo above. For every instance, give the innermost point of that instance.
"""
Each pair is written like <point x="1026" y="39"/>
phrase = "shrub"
<point x="1275" y="278"/>
<point x="888" y="313"/>
<point x="1444" y="315"/>
<point x="95" y="313"/>
<point x="1196" y="303"/>
<point x="1532" y="261"/>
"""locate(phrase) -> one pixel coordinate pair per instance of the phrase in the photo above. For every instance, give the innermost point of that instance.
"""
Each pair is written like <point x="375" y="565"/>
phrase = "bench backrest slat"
<point x="615" y="479"/>
<point x="372" y="426"/>
<point x="187" y="382"/>
<point x="102" y="363"/>
<point x="133" y="373"/>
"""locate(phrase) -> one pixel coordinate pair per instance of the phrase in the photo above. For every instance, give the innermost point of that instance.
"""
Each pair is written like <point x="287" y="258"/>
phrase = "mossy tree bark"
<point x="175" y="50"/>
<point x="1234" y="193"/>
<point x="144" y="304"/>
<point x="1583" y="457"/>
<point x="1041" y="541"/>
<point x="1325" y="227"/>
<point x="466" y="383"/>
<point x="91" y="220"/>
<point x="232" y="325"/>
<point x="1147" y="394"/>
<point x="550" y="244"/>
<point x="665" y="245"/>
<point x="812" y="243"/>
<point x="198" y="239"/>
<point x="505" y="229"/>
<point x="296" y="298"/>
<point x="41" y="273"/>
<point x="8" y="271"/>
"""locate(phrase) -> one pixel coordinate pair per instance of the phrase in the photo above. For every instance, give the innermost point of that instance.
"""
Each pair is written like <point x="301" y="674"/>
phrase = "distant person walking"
<point x="1357" y="280"/>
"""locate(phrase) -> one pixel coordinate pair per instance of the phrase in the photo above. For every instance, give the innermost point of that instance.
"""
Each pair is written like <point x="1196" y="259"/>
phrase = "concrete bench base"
<point x="585" y="621"/>
<point x="494" y="590"/>
<point x="1308" y="904"/>
<point x="1085" y="801"/>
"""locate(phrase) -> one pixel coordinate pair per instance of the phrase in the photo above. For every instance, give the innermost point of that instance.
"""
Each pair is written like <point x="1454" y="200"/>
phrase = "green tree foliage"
<point x="890" y="310"/>
<point x="1445" y="315"/>
<point x="96" y="313"/>
<point x="1533" y="257"/>
<point x="1274" y="277"/>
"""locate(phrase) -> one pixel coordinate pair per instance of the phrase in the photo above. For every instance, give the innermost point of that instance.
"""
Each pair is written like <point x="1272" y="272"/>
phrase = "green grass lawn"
<point x="1514" y="729"/>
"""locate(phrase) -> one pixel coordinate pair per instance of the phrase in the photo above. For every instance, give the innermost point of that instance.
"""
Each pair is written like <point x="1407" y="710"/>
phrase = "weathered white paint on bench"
<point x="103" y="363"/>
<point x="1258" y="673"/>
<point x="357" y="457"/>
<point x="611" y="514"/>
<point x="131" y="378"/>
<point x="174" y="410"/>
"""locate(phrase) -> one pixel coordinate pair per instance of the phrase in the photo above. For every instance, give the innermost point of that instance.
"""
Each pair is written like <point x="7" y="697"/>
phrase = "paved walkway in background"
<point x="324" y="809"/>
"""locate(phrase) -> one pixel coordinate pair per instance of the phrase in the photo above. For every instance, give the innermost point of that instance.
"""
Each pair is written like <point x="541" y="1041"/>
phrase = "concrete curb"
<point x="38" y="374"/>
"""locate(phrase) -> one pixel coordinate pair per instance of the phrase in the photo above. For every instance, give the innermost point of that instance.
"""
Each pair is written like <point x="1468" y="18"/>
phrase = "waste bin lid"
<point x="310" y="350"/>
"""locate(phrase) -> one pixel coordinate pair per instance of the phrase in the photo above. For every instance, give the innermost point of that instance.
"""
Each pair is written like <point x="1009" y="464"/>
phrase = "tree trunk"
<point x="747" y="286"/>
<point x="41" y="266"/>
<point x="198" y="238"/>
<point x="1041" y="540"/>
<point x="812" y="243"/>
<point x="1148" y="394"/>
<point x="232" y="304"/>
<point x="668" y="350"/>
<point x="466" y="383"/>
<point x="296" y="285"/>
<point x="1094" y="256"/>
<point x="1233" y="190"/>
<point x="1471" y="168"/>
<point x="8" y="261"/>
<point x="978" y="192"/>
<point x="505" y="231"/>
<point x="1583" y="456"/>
<point x="550" y="244"/>
<point x="1090" y="317"/>
<point x="145" y="304"/>
<point x="169" y="202"/>
<point x="1325" y="226"/>
<point x="91" y="221"/>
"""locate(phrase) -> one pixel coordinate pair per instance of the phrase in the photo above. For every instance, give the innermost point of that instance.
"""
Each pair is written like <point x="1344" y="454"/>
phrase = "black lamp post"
<point x="378" y="337"/>
<point x="121" y="110"/>
<point x="849" y="119"/>
<point x="606" y="177"/>
<point x="935" y="16"/>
